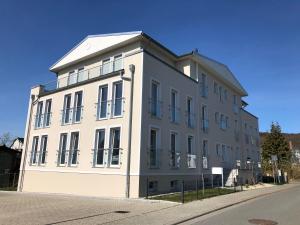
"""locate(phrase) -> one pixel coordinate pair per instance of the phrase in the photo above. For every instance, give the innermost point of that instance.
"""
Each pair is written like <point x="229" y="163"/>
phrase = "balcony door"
<point x="115" y="146"/>
<point x="77" y="106"/>
<point x="99" y="148"/>
<point x="67" y="108"/>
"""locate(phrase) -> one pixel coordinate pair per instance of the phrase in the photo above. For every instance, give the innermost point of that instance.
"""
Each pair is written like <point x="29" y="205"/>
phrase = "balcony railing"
<point x="110" y="108"/>
<point x="68" y="157"/>
<point x="71" y="115"/>
<point x="42" y="120"/>
<point x="174" y="159"/>
<point x="190" y="119"/>
<point x="85" y="75"/>
<point x="174" y="114"/>
<point x="38" y="158"/>
<point x="191" y="161"/>
<point x="107" y="157"/>
<point x="155" y="108"/>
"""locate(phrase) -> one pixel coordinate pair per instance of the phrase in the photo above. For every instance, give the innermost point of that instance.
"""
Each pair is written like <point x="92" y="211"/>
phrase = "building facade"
<point x="127" y="115"/>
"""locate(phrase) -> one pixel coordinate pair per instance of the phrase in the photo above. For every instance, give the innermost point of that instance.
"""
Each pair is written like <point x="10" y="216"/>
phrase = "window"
<point x="81" y="74"/>
<point x="106" y="67"/>
<point x="225" y="94"/>
<point x="78" y="106"/>
<point x="174" y="151"/>
<point x="203" y="85"/>
<point x="205" y="148"/>
<point x="226" y="122"/>
<point x="217" y="117"/>
<point x="102" y="102"/>
<point x="191" y="157"/>
<point x="118" y="63"/>
<point x="190" y="115"/>
<point x="99" y="147"/>
<point x="48" y="112"/>
<point x="118" y="99"/>
<point x="72" y="77"/>
<point x="115" y="146"/>
<point x="216" y="87"/>
<point x="218" y="150"/>
<point x="205" y="154"/>
<point x="223" y="122"/>
<point x="204" y="116"/>
<point x="223" y="152"/>
<point x="173" y="185"/>
<point x="73" y="152"/>
<point x="153" y="148"/>
<point x="67" y="109"/>
<point x="39" y="115"/>
<point x="43" y="150"/>
<point x="62" y="149"/>
<point x="34" y="151"/>
<point x="155" y="109"/>
<point x="220" y="94"/>
<point x="173" y="107"/>
<point x="152" y="186"/>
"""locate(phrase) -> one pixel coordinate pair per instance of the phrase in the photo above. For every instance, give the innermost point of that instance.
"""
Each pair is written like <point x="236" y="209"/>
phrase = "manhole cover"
<point x="262" y="222"/>
<point x="121" y="212"/>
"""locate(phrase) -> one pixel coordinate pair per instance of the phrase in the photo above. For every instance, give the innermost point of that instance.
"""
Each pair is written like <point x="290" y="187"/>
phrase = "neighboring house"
<point x="126" y="112"/>
<point x="295" y="149"/>
<point x="17" y="144"/>
<point x="9" y="165"/>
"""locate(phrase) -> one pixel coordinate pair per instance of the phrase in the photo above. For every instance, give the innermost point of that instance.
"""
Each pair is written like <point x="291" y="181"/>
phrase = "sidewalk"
<point x="181" y="213"/>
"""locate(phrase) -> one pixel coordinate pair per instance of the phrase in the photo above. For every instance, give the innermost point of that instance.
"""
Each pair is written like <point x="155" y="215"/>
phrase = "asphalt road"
<point x="278" y="208"/>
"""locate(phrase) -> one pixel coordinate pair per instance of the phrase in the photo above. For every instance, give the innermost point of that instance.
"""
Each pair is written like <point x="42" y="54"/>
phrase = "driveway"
<point x="33" y="208"/>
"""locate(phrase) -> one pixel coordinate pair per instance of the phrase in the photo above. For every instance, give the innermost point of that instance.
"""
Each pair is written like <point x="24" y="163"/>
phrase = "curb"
<point x="227" y="206"/>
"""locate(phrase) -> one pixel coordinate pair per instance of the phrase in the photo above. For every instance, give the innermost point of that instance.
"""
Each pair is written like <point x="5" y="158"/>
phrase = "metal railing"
<point x="38" y="158"/>
<point x="155" y="108"/>
<point x="71" y="115"/>
<point x="110" y="108"/>
<point x="85" y="75"/>
<point x="42" y="120"/>
<point x="174" y="114"/>
<point x="107" y="157"/>
<point x="68" y="157"/>
<point x="174" y="159"/>
<point x="191" y="161"/>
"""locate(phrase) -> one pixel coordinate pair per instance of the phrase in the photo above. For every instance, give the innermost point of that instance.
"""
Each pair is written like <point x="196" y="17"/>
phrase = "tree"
<point x="276" y="144"/>
<point x="6" y="139"/>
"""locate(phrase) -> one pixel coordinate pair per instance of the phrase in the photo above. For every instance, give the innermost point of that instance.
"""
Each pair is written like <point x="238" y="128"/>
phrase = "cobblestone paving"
<point x="31" y="208"/>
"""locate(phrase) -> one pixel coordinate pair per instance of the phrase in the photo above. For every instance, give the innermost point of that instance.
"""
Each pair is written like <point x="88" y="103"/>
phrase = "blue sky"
<point x="258" y="40"/>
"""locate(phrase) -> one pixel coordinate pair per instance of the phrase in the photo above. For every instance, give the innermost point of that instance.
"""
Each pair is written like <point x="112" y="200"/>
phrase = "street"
<point x="277" y="208"/>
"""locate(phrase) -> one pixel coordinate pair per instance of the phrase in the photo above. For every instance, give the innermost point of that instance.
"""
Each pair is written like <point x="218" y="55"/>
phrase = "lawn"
<point x="192" y="195"/>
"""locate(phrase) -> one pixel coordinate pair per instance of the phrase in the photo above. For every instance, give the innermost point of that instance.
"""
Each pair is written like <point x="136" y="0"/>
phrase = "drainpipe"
<point x="21" y="178"/>
<point x="132" y="70"/>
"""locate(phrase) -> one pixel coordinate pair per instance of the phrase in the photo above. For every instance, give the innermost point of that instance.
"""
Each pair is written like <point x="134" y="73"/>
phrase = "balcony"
<point x="155" y="108"/>
<point x="110" y="109"/>
<point x="72" y="115"/>
<point x="174" y="114"/>
<point x="191" y="161"/>
<point x="42" y="120"/>
<point x="174" y="159"/>
<point x="85" y="75"/>
<point x="68" y="157"/>
<point x="190" y="119"/>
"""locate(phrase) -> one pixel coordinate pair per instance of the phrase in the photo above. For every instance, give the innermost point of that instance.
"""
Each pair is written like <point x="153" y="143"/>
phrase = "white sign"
<point x="217" y="170"/>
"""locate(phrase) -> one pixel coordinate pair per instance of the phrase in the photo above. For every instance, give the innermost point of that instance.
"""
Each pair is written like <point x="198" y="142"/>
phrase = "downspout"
<point x="21" y="179"/>
<point x="132" y="70"/>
